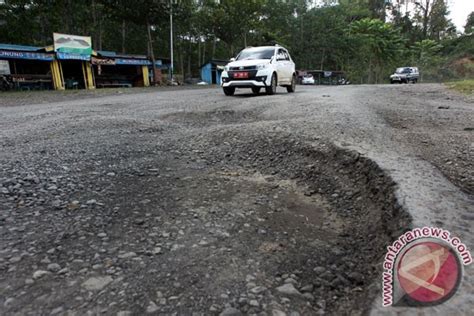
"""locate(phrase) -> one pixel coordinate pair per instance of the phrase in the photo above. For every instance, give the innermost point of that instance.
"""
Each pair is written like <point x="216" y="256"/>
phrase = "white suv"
<point x="260" y="67"/>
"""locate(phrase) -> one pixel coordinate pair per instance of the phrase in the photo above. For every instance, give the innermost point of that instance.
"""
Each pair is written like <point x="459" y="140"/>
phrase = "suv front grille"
<point x="243" y="68"/>
<point x="251" y="76"/>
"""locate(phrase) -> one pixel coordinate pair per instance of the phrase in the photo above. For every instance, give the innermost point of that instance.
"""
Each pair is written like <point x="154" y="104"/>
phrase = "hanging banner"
<point x="136" y="62"/>
<point x="72" y="44"/>
<point x="7" y="54"/>
<point x="72" y="56"/>
<point x="102" y="61"/>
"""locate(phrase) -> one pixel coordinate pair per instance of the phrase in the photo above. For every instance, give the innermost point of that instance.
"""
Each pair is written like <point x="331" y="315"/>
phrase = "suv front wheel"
<point x="273" y="86"/>
<point x="229" y="91"/>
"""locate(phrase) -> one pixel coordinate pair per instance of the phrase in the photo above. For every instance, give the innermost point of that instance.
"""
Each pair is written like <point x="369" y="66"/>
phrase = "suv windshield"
<point x="256" y="53"/>
<point x="402" y="71"/>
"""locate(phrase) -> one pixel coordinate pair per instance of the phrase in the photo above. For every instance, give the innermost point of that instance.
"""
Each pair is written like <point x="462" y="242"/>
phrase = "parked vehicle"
<point x="343" y="81"/>
<point x="405" y="75"/>
<point x="307" y="79"/>
<point x="260" y="67"/>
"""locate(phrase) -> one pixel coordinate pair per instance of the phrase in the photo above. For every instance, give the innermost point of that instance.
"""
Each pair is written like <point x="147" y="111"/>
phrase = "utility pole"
<point x="171" y="41"/>
<point x="152" y="54"/>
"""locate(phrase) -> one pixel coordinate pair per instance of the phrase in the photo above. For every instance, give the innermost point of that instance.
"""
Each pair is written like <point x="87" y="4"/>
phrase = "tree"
<point x="150" y="14"/>
<point x="378" y="8"/>
<point x="469" y="27"/>
<point x="425" y="56"/>
<point x="233" y="20"/>
<point x="379" y="44"/>
<point x="438" y="22"/>
<point x="19" y="25"/>
<point x="425" y="8"/>
<point x="432" y="14"/>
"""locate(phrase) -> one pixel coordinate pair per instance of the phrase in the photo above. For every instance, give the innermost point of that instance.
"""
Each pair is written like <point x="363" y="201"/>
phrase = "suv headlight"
<point x="261" y="66"/>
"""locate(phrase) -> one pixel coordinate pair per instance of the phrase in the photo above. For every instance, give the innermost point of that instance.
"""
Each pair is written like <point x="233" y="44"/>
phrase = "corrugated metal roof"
<point x="106" y="53"/>
<point x="20" y="47"/>
<point x="217" y="62"/>
<point x="131" y="56"/>
<point x="111" y="54"/>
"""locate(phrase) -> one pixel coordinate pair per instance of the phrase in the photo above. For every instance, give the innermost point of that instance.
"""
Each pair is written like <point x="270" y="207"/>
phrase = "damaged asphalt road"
<point x="187" y="201"/>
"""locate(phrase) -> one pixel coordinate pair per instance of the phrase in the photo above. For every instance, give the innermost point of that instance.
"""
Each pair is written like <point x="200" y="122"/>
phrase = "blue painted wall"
<point x="206" y="73"/>
<point x="218" y="76"/>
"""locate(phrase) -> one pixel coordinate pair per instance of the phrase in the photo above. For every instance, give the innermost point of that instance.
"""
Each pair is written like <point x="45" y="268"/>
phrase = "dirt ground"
<point x="439" y="128"/>
<point x="184" y="201"/>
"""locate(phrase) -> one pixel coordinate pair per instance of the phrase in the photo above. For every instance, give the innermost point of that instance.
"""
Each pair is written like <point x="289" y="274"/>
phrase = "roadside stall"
<point x="119" y="70"/>
<point x="26" y="68"/>
<point x="74" y="53"/>
<point x="71" y="64"/>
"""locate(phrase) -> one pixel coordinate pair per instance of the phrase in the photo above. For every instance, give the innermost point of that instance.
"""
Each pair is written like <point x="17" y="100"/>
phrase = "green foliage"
<point x="463" y="86"/>
<point x="425" y="55"/>
<point x="380" y="45"/>
<point x="425" y="49"/>
<point x="232" y="20"/>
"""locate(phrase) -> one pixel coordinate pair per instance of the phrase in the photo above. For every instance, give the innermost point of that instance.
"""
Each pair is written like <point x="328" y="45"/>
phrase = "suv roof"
<point x="255" y="47"/>
<point x="407" y="67"/>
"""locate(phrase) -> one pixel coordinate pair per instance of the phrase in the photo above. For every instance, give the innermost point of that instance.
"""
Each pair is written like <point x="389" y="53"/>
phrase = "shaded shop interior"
<point x="119" y="70"/>
<point x="75" y="71"/>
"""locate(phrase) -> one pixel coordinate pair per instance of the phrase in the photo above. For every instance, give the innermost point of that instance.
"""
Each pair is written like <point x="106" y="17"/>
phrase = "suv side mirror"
<point x="232" y="59"/>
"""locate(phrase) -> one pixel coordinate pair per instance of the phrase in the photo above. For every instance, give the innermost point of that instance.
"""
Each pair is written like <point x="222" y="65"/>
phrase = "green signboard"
<point x="72" y="44"/>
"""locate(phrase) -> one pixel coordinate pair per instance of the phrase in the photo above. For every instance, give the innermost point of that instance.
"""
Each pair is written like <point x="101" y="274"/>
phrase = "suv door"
<point x="288" y="66"/>
<point x="281" y="66"/>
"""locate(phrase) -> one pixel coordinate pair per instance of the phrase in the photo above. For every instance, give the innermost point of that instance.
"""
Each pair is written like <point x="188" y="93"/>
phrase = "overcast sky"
<point x="460" y="9"/>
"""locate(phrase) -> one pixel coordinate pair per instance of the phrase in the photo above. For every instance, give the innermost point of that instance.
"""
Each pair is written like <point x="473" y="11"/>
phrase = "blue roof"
<point x="110" y="54"/>
<point x="219" y="62"/>
<point x="131" y="56"/>
<point x="20" y="47"/>
<point x="106" y="53"/>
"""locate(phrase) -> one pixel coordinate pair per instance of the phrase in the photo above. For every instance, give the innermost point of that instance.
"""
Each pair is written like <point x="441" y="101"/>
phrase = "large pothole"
<point x="346" y="213"/>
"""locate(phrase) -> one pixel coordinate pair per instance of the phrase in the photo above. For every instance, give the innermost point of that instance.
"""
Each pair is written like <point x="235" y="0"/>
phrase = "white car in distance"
<point x="307" y="79"/>
<point x="260" y="67"/>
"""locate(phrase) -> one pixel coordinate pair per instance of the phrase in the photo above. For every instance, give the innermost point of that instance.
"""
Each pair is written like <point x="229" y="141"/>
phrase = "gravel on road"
<point x="186" y="201"/>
